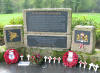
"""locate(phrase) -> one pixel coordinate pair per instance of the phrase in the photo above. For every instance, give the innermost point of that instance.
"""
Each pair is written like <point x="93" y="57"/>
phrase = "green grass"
<point x="94" y="16"/>
<point x="5" y="18"/>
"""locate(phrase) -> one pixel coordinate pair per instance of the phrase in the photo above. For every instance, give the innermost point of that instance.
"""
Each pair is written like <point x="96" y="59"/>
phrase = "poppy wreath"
<point x="11" y="56"/>
<point x="74" y="59"/>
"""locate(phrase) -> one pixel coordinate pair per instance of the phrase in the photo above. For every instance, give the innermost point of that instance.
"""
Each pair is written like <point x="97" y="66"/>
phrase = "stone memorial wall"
<point x="47" y="28"/>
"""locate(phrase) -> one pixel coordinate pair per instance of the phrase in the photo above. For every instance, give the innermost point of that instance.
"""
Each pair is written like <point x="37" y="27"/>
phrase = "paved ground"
<point x="51" y="68"/>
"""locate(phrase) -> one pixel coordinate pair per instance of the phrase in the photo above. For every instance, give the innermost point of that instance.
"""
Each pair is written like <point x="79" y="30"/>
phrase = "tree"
<point x="58" y="3"/>
<point x="0" y="6"/>
<point x="85" y="5"/>
<point x="77" y="3"/>
<point x="97" y="6"/>
<point x="26" y="4"/>
<point x="8" y="6"/>
<point x="38" y="3"/>
<point x="74" y="4"/>
<point x="67" y="3"/>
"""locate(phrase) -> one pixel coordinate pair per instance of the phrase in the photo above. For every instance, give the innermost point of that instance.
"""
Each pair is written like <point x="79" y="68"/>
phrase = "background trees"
<point x="10" y="6"/>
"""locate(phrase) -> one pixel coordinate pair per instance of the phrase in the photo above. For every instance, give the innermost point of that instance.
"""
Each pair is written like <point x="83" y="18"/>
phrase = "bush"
<point x="85" y="21"/>
<point x="82" y="21"/>
<point x="15" y="21"/>
<point x="1" y="30"/>
<point x="2" y="50"/>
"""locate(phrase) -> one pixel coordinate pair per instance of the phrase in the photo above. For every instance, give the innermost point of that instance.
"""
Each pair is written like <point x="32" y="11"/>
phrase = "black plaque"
<point x="13" y="35"/>
<point x="82" y="37"/>
<point x="47" y="41"/>
<point x="46" y="21"/>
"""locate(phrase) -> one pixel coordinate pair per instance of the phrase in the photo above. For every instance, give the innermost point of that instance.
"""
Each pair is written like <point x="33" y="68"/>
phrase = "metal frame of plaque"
<point x="13" y="36"/>
<point x="60" y="19"/>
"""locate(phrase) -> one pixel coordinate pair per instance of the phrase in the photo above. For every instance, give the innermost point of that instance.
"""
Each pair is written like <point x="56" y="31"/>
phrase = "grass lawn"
<point x="94" y="16"/>
<point x="5" y="18"/>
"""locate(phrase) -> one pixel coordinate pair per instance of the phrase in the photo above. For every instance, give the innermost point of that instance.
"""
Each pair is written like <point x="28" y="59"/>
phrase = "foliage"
<point x="2" y="50"/>
<point x="5" y="18"/>
<point x="22" y="50"/>
<point x="59" y="53"/>
<point x="9" y="6"/>
<point x="26" y="4"/>
<point x="85" y="21"/>
<point x="1" y="30"/>
<point x="90" y="57"/>
<point x="1" y="34"/>
<point x="82" y="21"/>
<point x="18" y="20"/>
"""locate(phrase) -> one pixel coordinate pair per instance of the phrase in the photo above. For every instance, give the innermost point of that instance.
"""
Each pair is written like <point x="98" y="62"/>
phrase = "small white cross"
<point x="91" y="65"/>
<point x="21" y="57"/>
<point x="85" y="63"/>
<point x="54" y="59"/>
<point x="45" y="58"/>
<point x="59" y="59"/>
<point x="28" y="56"/>
<point x="95" y="67"/>
<point x="50" y="58"/>
<point x="80" y="63"/>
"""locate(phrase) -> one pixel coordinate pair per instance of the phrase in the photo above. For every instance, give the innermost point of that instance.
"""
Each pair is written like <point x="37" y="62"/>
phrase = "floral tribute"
<point x="37" y="58"/>
<point x="11" y="56"/>
<point x="70" y="59"/>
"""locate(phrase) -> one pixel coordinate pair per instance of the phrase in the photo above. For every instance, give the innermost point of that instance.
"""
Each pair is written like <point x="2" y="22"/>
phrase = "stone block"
<point x="13" y="36"/>
<point x="84" y="39"/>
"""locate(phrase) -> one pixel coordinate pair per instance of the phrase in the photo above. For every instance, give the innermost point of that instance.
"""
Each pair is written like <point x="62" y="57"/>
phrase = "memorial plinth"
<point x="84" y="39"/>
<point x="13" y="36"/>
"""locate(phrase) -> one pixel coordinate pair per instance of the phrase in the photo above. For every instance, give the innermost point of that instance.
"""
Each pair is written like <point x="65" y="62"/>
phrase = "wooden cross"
<point x="45" y="58"/>
<point x="80" y="63"/>
<point x="95" y="67"/>
<point x="59" y="59"/>
<point x="54" y="59"/>
<point x="91" y="65"/>
<point x="28" y="56"/>
<point x="85" y="63"/>
<point x="50" y="58"/>
<point x="21" y="57"/>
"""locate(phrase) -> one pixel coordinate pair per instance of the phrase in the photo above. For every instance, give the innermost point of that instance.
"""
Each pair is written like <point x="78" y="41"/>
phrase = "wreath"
<point x="70" y="63"/>
<point x="11" y="56"/>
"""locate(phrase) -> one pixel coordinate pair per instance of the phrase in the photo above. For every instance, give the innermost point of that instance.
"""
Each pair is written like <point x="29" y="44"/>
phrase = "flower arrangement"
<point x="37" y="59"/>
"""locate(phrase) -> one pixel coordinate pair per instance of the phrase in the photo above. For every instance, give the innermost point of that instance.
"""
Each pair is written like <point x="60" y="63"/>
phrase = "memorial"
<point x="47" y="20"/>
<point x="47" y="28"/>
<point x="84" y="39"/>
<point x="13" y="36"/>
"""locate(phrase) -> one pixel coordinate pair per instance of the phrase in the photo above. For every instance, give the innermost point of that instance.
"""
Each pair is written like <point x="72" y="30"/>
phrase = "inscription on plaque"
<point x="82" y="37"/>
<point x="46" y="21"/>
<point x="47" y="41"/>
<point x="13" y="35"/>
